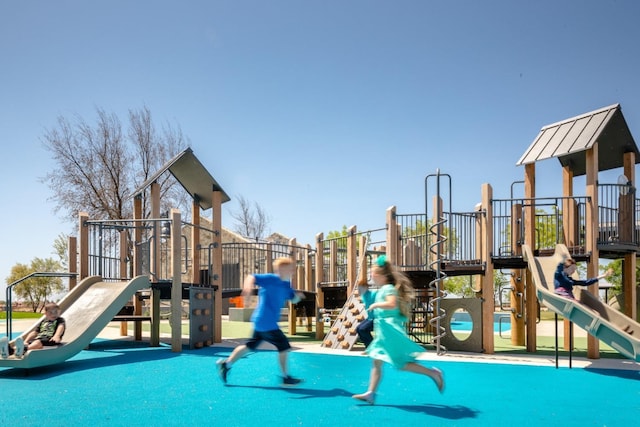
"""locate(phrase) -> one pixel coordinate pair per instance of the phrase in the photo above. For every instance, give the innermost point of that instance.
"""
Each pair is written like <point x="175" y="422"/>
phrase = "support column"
<point x="176" y="279"/>
<point x="592" y="221"/>
<point x="517" y="280"/>
<point x="568" y="225"/>
<point x="488" y="301"/>
<point x="319" y="280"/>
<point x="531" y="300"/>
<point x="629" y="287"/>
<point x="154" y="266"/>
<point x="83" y="232"/>
<point x="137" y="262"/>
<point x="216" y="256"/>
<point x="72" y="248"/>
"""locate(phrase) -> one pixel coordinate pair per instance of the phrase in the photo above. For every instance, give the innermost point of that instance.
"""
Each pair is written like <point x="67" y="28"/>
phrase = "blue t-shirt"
<point x="273" y="292"/>
<point x="368" y="298"/>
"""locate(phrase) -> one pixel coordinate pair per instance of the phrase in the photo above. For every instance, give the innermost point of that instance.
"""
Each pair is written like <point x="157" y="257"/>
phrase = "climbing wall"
<point x="342" y="333"/>
<point x="200" y="317"/>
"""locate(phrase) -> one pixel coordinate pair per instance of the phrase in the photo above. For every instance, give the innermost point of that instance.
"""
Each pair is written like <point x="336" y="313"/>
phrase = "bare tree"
<point x="251" y="220"/>
<point x="98" y="166"/>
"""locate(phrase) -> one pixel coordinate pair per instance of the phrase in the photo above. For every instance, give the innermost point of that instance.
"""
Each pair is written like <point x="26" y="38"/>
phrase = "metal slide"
<point x="587" y="311"/>
<point x="87" y="309"/>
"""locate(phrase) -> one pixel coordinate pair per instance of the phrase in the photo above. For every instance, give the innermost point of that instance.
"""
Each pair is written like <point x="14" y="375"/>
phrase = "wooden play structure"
<point x="197" y="268"/>
<point x="601" y="224"/>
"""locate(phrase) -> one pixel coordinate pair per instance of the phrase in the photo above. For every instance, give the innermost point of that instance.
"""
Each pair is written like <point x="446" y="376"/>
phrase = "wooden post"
<point x="308" y="270"/>
<point x="124" y="247"/>
<point x="392" y="235"/>
<point x="440" y="247"/>
<point x="333" y="261"/>
<point x="137" y="261"/>
<point x="352" y="259"/>
<point x="629" y="288"/>
<point x="517" y="280"/>
<point x="568" y="225"/>
<point x="216" y="275"/>
<point x="592" y="221"/>
<point x="83" y="232"/>
<point x="319" y="280"/>
<point x="195" y="242"/>
<point x="488" y="303"/>
<point x="154" y="264"/>
<point x="176" y="279"/>
<point x="531" y="300"/>
<point x="72" y="248"/>
<point x="294" y="284"/>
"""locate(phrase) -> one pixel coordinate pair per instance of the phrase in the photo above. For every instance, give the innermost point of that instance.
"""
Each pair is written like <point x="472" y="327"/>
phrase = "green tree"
<point x="36" y="291"/>
<point x="616" y="278"/>
<point x="335" y="234"/>
<point x="548" y="229"/>
<point x="61" y="250"/>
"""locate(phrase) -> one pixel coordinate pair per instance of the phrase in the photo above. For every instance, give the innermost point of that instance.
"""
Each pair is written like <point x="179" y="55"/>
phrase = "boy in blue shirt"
<point x="365" y="328"/>
<point x="274" y="289"/>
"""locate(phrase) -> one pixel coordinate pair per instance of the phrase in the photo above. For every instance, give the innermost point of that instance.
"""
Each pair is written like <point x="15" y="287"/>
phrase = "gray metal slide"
<point x="589" y="313"/>
<point x="87" y="309"/>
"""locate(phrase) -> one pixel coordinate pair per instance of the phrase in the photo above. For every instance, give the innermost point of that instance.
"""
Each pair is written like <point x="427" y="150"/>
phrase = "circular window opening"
<point x="461" y="324"/>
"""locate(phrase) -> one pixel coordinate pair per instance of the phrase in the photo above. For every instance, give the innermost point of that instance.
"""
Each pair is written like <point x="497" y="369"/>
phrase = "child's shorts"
<point x="564" y="292"/>
<point x="275" y="337"/>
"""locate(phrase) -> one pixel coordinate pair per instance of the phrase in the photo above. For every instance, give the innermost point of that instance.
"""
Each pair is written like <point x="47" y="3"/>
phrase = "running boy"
<point x="273" y="290"/>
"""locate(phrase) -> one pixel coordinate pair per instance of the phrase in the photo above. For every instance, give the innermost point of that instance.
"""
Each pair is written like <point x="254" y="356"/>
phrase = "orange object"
<point x="237" y="301"/>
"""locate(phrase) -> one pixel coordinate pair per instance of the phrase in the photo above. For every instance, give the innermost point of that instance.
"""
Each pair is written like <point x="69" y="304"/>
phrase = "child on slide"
<point x="48" y="332"/>
<point x="563" y="283"/>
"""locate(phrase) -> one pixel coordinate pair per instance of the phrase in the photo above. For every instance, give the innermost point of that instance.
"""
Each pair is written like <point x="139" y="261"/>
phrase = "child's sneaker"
<point x="223" y="370"/>
<point x="19" y="345"/>
<point x="4" y="347"/>
<point x="290" y="381"/>
<point x="369" y="397"/>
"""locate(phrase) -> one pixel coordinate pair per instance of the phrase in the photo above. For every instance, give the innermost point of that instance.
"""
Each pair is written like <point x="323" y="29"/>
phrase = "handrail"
<point x="9" y="303"/>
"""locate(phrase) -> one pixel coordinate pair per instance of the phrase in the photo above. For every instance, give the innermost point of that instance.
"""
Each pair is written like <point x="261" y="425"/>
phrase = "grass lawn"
<point x="17" y="315"/>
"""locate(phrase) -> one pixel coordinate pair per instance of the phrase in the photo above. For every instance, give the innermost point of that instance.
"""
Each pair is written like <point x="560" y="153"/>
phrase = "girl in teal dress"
<point x="392" y="308"/>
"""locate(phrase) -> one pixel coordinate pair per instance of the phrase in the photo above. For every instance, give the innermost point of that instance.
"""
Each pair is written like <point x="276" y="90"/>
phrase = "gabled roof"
<point x="194" y="178"/>
<point x="570" y="139"/>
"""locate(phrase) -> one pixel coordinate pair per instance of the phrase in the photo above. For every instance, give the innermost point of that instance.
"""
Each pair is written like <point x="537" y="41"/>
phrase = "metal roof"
<point x="570" y="139"/>
<point x="194" y="178"/>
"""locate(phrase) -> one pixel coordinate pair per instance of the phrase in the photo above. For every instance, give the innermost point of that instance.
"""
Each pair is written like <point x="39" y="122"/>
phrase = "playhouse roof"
<point x="194" y="178"/>
<point x="570" y="139"/>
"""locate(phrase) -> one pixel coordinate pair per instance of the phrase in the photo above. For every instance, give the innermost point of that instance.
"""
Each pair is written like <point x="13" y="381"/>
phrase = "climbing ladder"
<point x="342" y="333"/>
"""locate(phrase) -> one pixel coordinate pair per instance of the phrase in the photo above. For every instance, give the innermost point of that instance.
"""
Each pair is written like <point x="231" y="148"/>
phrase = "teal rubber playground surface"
<point x="127" y="383"/>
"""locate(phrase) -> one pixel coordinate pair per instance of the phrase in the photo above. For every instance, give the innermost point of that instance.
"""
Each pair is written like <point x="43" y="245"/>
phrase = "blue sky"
<point x="325" y="113"/>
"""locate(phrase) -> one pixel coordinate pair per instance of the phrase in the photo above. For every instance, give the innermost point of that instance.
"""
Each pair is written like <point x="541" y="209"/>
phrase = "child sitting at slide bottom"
<point x="48" y="332"/>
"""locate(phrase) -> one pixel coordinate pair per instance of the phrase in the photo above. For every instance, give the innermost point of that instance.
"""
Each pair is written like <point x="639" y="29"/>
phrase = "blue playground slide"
<point x="87" y="309"/>
<point x="589" y="313"/>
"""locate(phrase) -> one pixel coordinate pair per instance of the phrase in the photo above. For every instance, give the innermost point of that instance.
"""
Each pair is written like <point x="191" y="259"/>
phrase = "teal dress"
<point x="391" y="343"/>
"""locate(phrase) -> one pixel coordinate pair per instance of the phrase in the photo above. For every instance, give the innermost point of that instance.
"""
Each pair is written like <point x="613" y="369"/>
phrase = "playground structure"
<point x="194" y="265"/>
